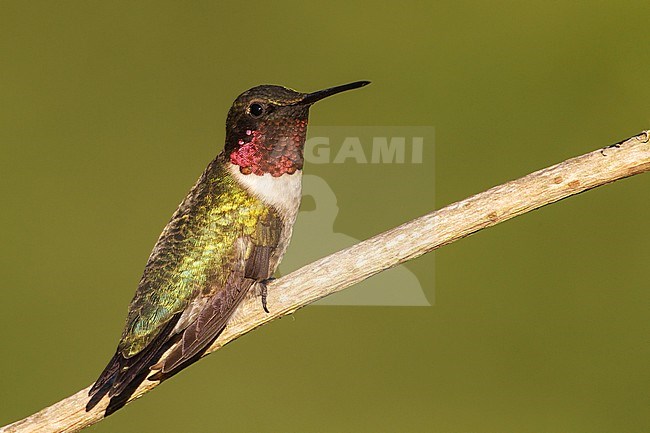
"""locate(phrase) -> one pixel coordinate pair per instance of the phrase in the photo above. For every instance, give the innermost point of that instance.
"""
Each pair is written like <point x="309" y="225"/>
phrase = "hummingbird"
<point x="227" y="236"/>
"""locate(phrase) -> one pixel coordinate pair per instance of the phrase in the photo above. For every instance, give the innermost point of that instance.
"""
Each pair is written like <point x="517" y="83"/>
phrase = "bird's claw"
<point x="264" y="292"/>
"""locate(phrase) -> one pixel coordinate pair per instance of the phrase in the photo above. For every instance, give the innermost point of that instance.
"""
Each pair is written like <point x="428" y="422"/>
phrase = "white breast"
<point x="283" y="192"/>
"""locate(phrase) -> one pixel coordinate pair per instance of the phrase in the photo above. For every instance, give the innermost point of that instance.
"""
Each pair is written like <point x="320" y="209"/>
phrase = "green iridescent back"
<point x="194" y="252"/>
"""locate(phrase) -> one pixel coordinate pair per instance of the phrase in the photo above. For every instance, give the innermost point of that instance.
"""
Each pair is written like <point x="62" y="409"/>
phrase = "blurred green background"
<point x="110" y="110"/>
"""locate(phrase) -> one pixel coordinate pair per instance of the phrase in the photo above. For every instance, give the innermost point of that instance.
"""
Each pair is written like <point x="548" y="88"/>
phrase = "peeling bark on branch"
<point x="398" y="245"/>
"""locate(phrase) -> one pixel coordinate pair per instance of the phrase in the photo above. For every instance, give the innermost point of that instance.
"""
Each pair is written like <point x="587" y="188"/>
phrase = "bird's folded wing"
<point x="253" y="267"/>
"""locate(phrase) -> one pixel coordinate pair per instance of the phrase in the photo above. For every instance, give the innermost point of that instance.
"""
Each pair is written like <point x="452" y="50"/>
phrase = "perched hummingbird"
<point x="226" y="236"/>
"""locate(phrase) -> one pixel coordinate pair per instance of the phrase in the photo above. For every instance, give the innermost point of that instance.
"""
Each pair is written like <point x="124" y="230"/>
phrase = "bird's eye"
<point x="256" y="110"/>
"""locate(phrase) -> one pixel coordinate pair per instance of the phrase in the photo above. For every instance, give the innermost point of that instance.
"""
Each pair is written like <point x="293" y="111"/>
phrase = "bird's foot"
<point x="264" y="291"/>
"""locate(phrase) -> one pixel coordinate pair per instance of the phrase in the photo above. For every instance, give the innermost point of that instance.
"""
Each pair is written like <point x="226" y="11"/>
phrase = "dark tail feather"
<point x="107" y="375"/>
<point x="103" y="384"/>
<point x="132" y="367"/>
<point x="121" y="371"/>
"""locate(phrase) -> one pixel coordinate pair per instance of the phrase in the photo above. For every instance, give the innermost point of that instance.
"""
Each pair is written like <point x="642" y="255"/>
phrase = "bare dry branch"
<point x="410" y="240"/>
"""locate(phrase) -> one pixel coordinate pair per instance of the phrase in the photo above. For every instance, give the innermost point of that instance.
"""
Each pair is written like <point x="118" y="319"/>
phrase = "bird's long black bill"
<point x="310" y="98"/>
